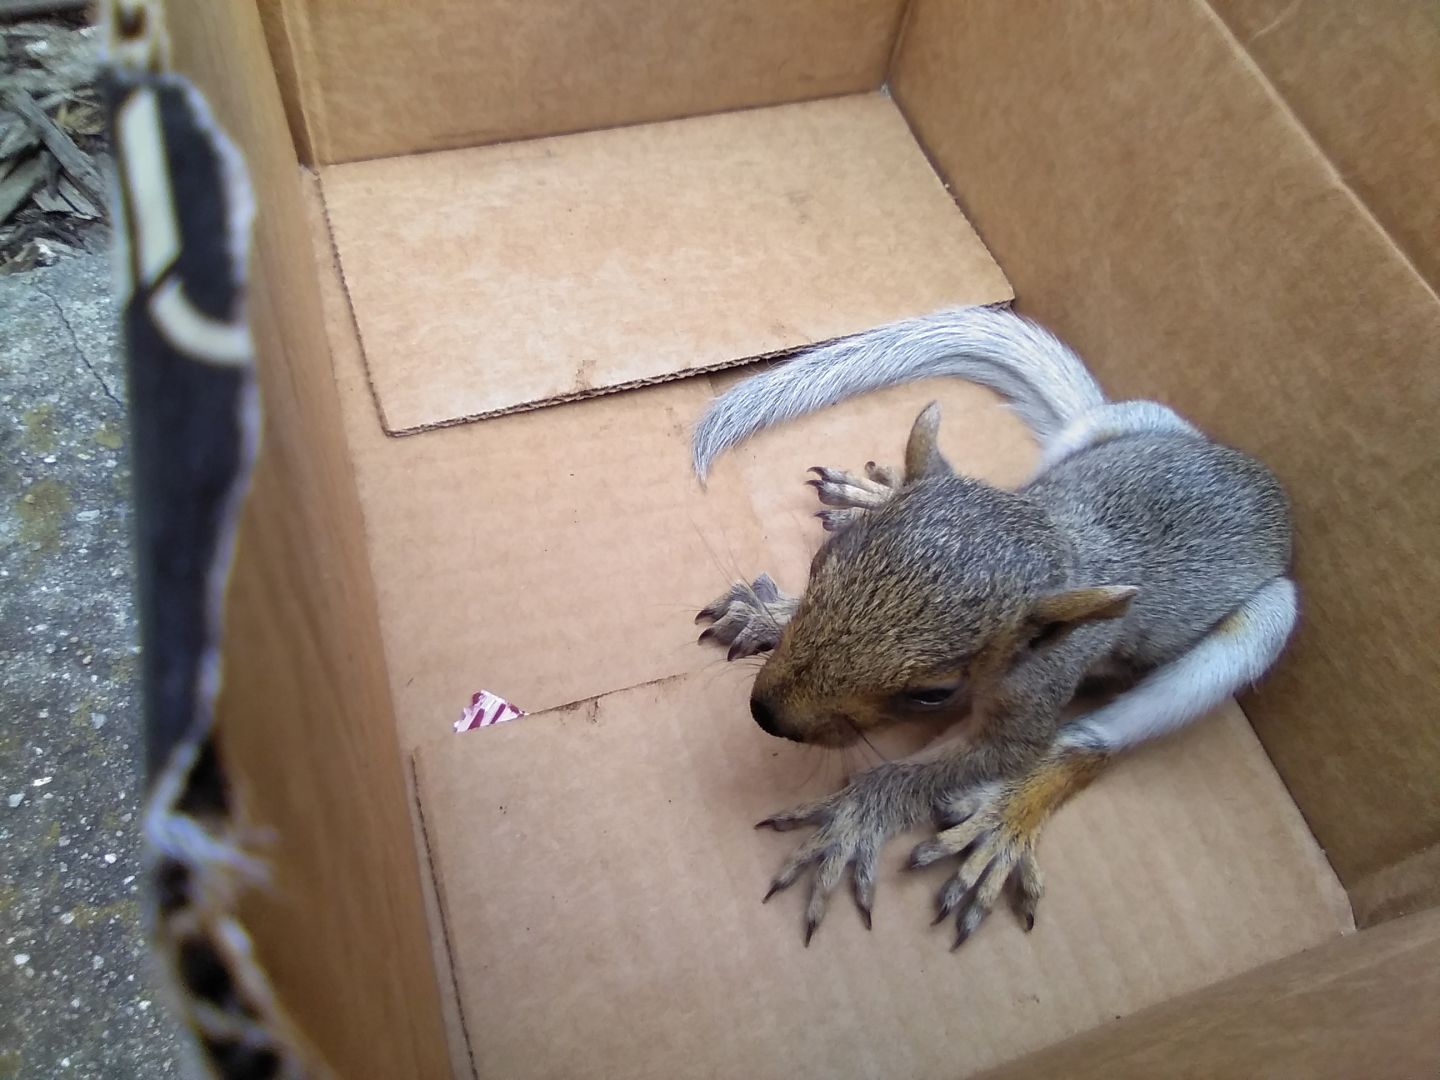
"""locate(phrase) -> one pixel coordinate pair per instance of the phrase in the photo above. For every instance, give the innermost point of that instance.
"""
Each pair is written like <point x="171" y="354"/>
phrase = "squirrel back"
<point x="1198" y="526"/>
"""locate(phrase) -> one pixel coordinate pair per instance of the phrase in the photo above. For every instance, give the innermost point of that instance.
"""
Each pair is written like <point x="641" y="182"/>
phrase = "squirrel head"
<point x="922" y="605"/>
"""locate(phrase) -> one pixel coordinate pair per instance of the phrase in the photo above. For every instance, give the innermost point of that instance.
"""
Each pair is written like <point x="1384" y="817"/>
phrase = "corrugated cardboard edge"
<point x="584" y="395"/>
<point x="316" y="186"/>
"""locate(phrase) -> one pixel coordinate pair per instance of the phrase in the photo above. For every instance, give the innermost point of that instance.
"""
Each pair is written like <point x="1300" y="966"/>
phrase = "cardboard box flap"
<point x="610" y="924"/>
<point x="487" y="281"/>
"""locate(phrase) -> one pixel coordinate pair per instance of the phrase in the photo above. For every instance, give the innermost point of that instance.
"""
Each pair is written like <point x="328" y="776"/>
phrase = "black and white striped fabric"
<point x="183" y="213"/>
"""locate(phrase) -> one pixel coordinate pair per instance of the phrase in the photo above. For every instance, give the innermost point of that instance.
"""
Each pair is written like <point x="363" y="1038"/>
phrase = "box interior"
<point x="629" y="546"/>
<point x="557" y="555"/>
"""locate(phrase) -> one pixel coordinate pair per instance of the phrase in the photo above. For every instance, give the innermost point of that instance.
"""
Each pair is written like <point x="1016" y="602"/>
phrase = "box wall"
<point x="1364" y="1005"/>
<point x="305" y="717"/>
<point x="376" y="79"/>
<point x="1155" y="202"/>
<point x="1364" y="79"/>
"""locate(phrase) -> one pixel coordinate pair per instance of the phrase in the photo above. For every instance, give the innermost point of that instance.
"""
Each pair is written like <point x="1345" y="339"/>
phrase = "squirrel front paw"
<point x="849" y="495"/>
<point x="748" y="618"/>
<point x="852" y="825"/>
<point x="994" y="831"/>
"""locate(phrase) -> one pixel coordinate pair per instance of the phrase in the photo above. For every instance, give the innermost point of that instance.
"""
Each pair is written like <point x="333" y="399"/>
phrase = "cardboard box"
<point x="504" y="253"/>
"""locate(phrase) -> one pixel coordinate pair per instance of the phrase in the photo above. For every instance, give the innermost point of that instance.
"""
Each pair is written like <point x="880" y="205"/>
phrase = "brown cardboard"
<point x="577" y="540"/>
<point x="1362" y="1006"/>
<point x="1402" y="888"/>
<point x="377" y="80"/>
<point x="1364" y="79"/>
<point x="608" y="921"/>
<point x="492" y="280"/>
<point x="305" y="718"/>
<point x="1155" y="202"/>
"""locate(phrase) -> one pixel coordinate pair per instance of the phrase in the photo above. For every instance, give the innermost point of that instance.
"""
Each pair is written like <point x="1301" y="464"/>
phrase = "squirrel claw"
<point x="958" y="810"/>
<point x="748" y="619"/>
<point x="863" y="880"/>
<point x="996" y="847"/>
<point x="931" y="851"/>
<point x="835" y="520"/>
<point x="847" y="491"/>
<point x="848" y="836"/>
<point x="1028" y="888"/>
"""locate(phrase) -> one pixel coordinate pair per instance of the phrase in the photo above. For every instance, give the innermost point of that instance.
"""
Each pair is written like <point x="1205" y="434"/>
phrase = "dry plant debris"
<point x="52" y="143"/>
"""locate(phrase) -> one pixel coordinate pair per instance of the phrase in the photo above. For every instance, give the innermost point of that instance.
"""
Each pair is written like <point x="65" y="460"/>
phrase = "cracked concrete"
<point x="79" y="349"/>
<point x="77" y="992"/>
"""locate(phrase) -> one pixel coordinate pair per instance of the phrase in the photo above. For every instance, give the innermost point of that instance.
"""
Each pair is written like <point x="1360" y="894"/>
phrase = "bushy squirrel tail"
<point x="1045" y="382"/>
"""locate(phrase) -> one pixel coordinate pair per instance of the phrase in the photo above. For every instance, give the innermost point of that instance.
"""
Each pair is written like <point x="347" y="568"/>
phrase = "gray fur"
<point x="1043" y="379"/>
<point x="1198" y="527"/>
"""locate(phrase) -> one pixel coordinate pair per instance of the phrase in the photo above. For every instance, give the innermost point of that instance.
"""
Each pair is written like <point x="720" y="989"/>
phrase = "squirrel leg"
<point x="849" y="495"/>
<point x="994" y="829"/>
<point x="748" y="619"/>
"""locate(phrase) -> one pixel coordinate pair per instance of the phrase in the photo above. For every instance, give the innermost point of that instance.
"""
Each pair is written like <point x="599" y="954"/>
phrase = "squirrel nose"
<point x="764" y="716"/>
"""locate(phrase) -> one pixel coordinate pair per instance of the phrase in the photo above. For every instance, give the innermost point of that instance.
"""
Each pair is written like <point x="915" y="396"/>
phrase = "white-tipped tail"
<point x="1042" y="378"/>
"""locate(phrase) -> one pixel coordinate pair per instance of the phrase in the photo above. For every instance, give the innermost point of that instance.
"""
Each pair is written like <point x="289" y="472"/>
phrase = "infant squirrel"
<point x="1142" y="559"/>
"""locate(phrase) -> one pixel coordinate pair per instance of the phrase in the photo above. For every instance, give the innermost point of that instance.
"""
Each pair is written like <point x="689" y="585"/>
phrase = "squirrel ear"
<point x="922" y="456"/>
<point x="1054" y="616"/>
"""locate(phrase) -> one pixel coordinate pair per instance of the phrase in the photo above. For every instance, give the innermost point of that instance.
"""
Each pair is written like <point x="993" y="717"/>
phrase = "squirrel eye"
<point x="930" y="695"/>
